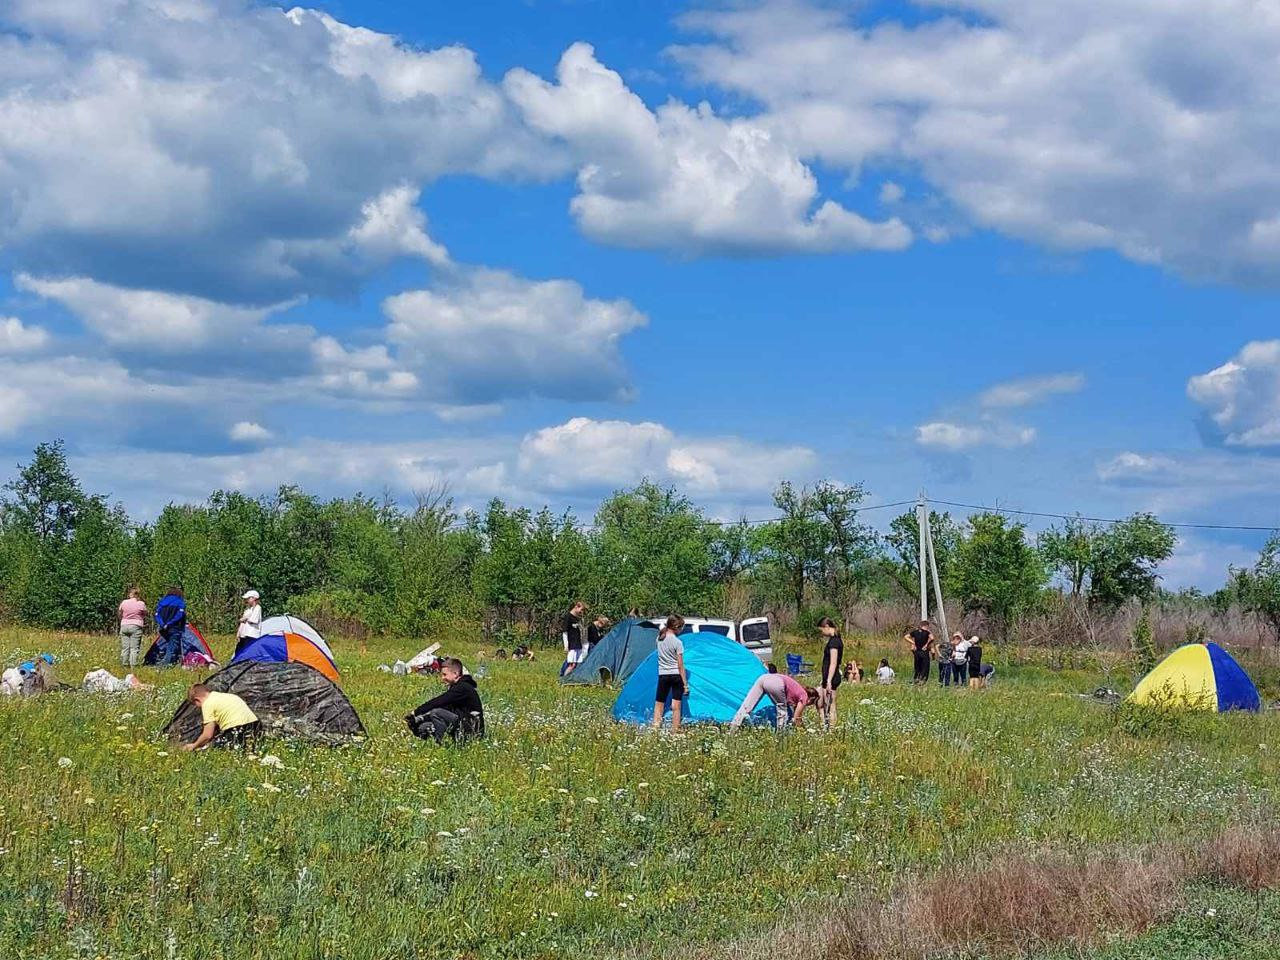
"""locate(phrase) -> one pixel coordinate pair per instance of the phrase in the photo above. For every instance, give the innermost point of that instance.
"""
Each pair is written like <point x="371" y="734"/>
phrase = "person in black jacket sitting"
<point x="456" y="713"/>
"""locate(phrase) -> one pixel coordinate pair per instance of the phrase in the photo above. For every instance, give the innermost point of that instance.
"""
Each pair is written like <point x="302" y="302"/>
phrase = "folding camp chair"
<point x="798" y="665"/>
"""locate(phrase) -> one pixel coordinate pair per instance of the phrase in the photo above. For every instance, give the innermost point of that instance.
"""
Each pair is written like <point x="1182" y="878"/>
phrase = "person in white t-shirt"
<point x="250" y="621"/>
<point x="960" y="661"/>
<point x="884" y="673"/>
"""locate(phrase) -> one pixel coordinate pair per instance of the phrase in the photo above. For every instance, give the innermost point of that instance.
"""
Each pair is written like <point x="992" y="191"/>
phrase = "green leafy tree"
<point x="654" y="551"/>
<point x="1111" y="564"/>
<point x="66" y="556"/>
<point x="997" y="572"/>
<point x="1257" y="588"/>
<point x="903" y="539"/>
<point x="819" y="542"/>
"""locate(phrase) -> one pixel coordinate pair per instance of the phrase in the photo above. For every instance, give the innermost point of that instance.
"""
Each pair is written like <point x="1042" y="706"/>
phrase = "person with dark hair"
<point x="595" y="633"/>
<point x="829" y="676"/>
<point x="457" y="713"/>
<point x="673" y="682"/>
<point x="974" y="655"/>
<point x="227" y="720"/>
<point x="920" y="642"/>
<point x="571" y="635"/>
<point x="960" y="661"/>
<point x="945" y="652"/>
<point x="171" y="624"/>
<point x="787" y="695"/>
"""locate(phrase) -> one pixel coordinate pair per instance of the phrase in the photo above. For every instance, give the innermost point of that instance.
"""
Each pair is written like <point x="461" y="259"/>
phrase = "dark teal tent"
<point x="615" y="658"/>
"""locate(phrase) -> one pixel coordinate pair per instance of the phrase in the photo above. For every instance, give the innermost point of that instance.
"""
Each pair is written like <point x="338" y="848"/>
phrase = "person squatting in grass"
<point x="133" y="617"/>
<point x="829" y="675"/>
<point x="571" y="633"/>
<point x="673" y="682"/>
<point x="787" y="695"/>
<point x="227" y="719"/>
<point x="920" y="642"/>
<point x="457" y="713"/>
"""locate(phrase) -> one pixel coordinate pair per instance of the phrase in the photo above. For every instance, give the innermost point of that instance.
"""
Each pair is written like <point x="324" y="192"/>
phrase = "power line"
<point x="1072" y="516"/>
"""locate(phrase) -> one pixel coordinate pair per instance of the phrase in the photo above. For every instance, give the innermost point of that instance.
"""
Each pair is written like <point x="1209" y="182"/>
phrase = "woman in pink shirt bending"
<point x="787" y="696"/>
<point x="133" y="616"/>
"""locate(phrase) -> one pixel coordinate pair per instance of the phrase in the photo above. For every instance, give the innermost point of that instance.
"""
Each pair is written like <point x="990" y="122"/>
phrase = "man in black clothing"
<point x="571" y="633"/>
<point x="456" y="713"/>
<point x="597" y="631"/>
<point x="920" y="641"/>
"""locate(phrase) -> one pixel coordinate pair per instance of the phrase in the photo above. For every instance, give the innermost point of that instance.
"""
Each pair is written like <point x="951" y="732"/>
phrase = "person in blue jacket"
<point x="171" y="624"/>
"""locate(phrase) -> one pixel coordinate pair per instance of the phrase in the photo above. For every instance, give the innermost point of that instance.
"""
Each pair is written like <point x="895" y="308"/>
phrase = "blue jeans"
<point x="944" y="672"/>
<point x="959" y="674"/>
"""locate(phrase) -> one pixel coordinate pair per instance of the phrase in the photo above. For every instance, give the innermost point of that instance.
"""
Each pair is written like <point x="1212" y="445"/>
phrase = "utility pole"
<point x="922" y="520"/>
<point x="933" y="569"/>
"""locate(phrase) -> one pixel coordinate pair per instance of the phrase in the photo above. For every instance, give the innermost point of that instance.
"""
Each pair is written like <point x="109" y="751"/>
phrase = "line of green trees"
<point x="360" y="565"/>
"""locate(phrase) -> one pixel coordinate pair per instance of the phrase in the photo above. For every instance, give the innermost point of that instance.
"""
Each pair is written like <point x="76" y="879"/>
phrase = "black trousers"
<point x="238" y="737"/>
<point x="921" y="658"/>
<point x="439" y="723"/>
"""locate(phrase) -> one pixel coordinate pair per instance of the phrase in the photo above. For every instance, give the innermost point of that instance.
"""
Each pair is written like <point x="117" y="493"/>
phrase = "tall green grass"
<point x="562" y="834"/>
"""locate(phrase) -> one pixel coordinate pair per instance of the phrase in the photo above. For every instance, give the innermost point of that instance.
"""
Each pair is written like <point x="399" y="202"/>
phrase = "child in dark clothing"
<point x="456" y="713"/>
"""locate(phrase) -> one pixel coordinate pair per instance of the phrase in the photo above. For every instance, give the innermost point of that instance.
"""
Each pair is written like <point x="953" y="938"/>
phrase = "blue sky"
<point x="541" y="249"/>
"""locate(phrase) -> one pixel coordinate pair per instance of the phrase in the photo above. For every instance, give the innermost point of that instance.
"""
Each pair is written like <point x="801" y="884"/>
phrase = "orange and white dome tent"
<point x="289" y="639"/>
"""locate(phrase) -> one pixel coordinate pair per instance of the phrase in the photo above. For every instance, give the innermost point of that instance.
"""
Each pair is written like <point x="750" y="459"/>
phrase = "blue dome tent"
<point x="618" y="654"/>
<point x="721" y="674"/>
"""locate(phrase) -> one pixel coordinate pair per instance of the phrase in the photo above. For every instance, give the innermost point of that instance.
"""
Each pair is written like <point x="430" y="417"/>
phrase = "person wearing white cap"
<point x="250" y="620"/>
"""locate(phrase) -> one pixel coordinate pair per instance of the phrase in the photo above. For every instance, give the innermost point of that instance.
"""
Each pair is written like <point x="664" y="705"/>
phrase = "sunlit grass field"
<point x="564" y="834"/>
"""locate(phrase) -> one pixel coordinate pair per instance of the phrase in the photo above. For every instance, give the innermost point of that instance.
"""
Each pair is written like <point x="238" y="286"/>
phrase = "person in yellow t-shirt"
<point x="228" y="721"/>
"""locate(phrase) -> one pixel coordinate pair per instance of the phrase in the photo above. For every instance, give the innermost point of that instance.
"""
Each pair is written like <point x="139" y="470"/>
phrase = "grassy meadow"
<point x="564" y="834"/>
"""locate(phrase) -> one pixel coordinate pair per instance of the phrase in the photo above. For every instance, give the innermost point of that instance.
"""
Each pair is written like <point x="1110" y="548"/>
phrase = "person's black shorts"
<point x="837" y="680"/>
<point x="669" y="685"/>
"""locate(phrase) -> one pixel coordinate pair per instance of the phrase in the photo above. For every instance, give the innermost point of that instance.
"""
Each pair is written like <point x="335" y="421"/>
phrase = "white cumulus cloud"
<point x="586" y="453"/>
<point x="18" y="337"/>
<point x="1142" y="127"/>
<point x="1241" y="398"/>
<point x="682" y="177"/>
<point x="481" y="335"/>
<point x="247" y="431"/>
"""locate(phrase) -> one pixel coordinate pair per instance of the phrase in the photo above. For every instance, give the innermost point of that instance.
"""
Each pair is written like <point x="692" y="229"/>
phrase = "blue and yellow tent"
<point x="1199" y="676"/>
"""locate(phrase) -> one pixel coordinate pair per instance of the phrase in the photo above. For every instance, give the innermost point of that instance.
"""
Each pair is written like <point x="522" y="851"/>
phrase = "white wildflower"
<point x="65" y="762"/>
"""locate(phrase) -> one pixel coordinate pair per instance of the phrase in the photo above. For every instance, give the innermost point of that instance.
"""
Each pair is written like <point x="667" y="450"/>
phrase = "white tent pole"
<point x="922" y="521"/>
<point x="933" y="569"/>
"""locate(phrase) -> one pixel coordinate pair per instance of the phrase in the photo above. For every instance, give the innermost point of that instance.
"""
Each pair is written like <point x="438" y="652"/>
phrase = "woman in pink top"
<point x="786" y="694"/>
<point x="133" y="616"/>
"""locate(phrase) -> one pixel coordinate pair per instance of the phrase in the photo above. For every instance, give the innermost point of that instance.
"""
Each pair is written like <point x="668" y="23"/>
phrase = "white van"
<point x="752" y="633"/>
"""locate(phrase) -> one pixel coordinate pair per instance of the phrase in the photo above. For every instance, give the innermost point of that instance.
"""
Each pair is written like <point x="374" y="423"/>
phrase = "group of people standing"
<point x="578" y="642"/>
<point x="171" y="621"/>
<point x="959" y="660"/>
